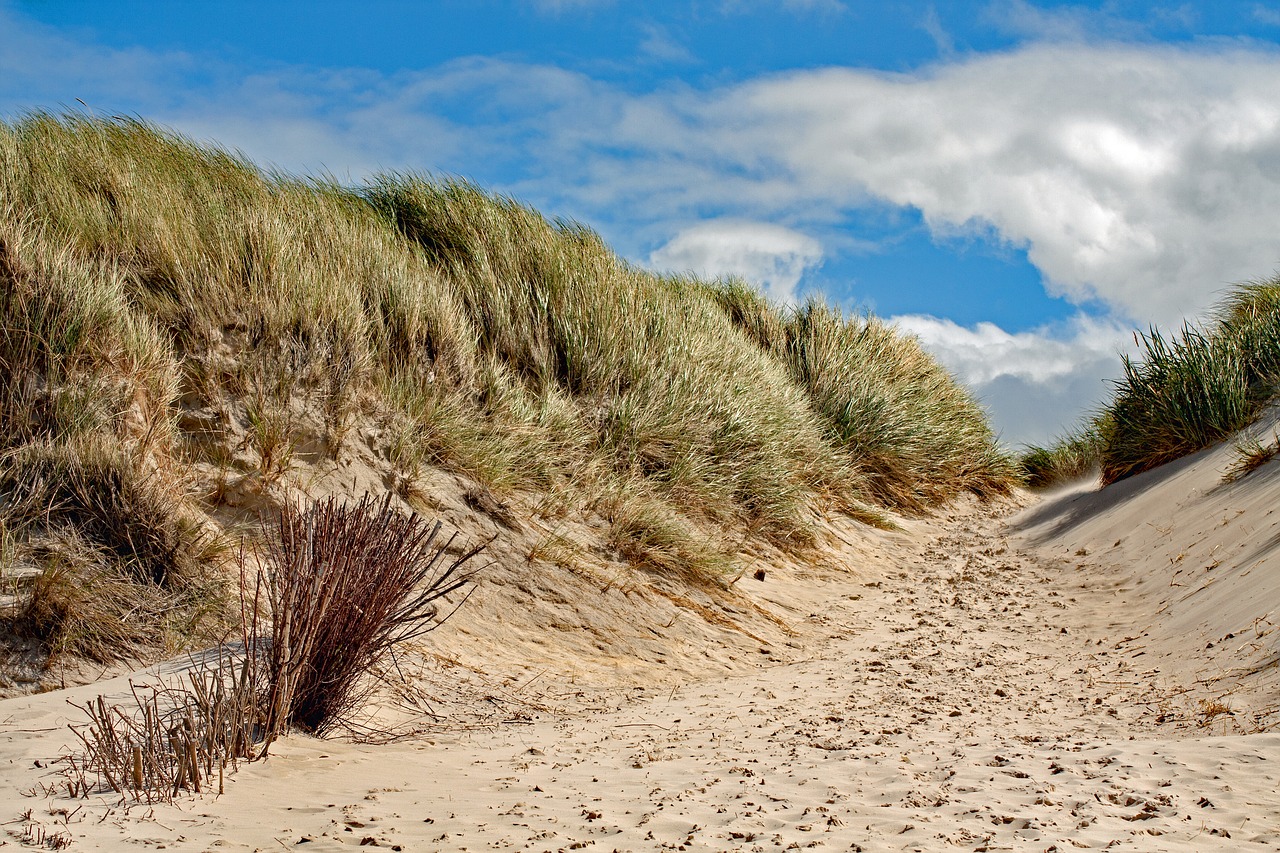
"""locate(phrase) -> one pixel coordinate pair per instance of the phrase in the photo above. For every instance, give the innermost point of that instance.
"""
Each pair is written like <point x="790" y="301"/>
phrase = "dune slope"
<point x="1190" y="555"/>
<point x="946" y="687"/>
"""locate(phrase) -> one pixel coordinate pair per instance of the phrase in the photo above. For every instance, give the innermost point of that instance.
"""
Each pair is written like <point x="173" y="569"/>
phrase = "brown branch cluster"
<point x="347" y="583"/>
<point x="177" y="737"/>
<point x="342" y="585"/>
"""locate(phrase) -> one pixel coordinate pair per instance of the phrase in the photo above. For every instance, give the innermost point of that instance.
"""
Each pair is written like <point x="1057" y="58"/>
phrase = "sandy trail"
<point x="966" y="696"/>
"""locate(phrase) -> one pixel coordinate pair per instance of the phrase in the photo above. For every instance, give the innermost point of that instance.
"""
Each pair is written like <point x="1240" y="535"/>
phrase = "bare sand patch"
<point x="943" y="687"/>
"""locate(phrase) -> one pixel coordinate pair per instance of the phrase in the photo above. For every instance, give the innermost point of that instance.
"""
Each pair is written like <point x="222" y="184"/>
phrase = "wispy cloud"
<point x="769" y="255"/>
<point x="828" y="7"/>
<point x="1266" y="15"/>
<point x="932" y="25"/>
<point x="1061" y="23"/>
<point x="658" y="43"/>
<point x="807" y="7"/>
<point x="557" y="7"/>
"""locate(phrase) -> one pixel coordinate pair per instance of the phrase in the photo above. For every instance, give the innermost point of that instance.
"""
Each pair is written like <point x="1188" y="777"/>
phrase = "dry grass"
<point x="143" y="276"/>
<point x="181" y="736"/>
<point x="1251" y="454"/>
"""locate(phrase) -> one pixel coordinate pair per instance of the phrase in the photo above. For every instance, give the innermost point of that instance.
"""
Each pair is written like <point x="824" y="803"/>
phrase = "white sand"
<point x="952" y="686"/>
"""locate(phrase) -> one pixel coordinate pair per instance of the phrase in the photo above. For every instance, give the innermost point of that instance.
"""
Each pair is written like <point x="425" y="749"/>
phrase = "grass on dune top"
<point x="1184" y="392"/>
<point x="142" y="274"/>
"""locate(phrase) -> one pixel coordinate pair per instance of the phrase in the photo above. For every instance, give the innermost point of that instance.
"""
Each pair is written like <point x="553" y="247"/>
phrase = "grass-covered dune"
<point x="1183" y="393"/>
<point x="172" y="316"/>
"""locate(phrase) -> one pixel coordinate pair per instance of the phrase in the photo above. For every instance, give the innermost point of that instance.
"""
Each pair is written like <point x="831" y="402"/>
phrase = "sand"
<point x="1046" y="674"/>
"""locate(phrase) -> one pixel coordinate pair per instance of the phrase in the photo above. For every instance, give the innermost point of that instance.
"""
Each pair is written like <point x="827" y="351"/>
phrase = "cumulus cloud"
<point x="769" y="255"/>
<point x="1145" y="178"/>
<point x="1029" y="380"/>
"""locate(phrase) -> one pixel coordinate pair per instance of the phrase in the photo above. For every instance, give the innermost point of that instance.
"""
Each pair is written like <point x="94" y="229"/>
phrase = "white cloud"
<point x="556" y="7"/>
<point x="1266" y="15"/>
<point x="932" y="25"/>
<point x="768" y="255"/>
<point x="824" y="7"/>
<point x="1029" y="380"/>
<point x="1074" y="22"/>
<point x="830" y="7"/>
<point x="658" y="44"/>
<point x="1148" y="178"/>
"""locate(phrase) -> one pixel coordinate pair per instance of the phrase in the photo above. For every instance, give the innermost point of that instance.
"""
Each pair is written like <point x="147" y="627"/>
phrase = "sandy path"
<point x="972" y="698"/>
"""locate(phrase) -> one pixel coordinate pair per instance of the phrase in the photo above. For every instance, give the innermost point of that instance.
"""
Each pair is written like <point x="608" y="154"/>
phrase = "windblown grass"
<point x="143" y="275"/>
<point x="1191" y="390"/>
<point x="1251" y="454"/>
<point x="1076" y="455"/>
<point x="916" y="437"/>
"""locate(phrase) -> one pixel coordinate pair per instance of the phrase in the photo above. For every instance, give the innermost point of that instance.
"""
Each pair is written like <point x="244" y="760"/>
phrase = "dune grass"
<point x="143" y="275"/>
<point x="1181" y="394"/>
<point x="1191" y="390"/>
<point x="1076" y="455"/>
<point x="917" y="437"/>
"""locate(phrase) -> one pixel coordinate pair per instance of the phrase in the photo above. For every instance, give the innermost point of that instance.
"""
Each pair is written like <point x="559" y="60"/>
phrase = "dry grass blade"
<point x="175" y="737"/>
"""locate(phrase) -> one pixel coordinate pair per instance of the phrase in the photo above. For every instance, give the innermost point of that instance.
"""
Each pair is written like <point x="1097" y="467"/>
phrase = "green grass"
<point x="1180" y="394"/>
<point x="1074" y="456"/>
<point x="1191" y="390"/>
<point x="142" y="275"/>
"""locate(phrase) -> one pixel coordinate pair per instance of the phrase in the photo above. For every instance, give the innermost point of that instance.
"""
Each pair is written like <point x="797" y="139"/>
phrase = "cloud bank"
<point x="1035" y="382"/>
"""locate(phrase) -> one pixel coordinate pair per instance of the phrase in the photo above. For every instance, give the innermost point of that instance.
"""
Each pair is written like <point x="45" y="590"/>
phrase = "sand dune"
<point x="1192" y="555"/>
<point x="1095" y="670"/>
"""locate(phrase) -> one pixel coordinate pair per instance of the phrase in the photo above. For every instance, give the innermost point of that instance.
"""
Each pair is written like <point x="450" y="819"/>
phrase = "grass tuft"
<point x="1075" y="456"/>
<point x="1196" y="388"/>
<point x="1251" y="454"/>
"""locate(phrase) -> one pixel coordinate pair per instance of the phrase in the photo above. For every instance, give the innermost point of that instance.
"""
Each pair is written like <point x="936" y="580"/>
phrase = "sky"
<point x="1021" y="185"/>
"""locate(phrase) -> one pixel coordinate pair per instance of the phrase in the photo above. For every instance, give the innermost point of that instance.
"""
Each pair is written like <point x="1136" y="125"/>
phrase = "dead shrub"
<point x="176" y="736"/>
<point x="345" y="583"/>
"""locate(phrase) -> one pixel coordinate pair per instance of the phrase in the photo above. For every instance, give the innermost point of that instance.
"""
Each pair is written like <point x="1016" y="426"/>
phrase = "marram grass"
<point x="143" y="275"/>
<point x="1192" y="390"/>
<point x="1181" y="394"/>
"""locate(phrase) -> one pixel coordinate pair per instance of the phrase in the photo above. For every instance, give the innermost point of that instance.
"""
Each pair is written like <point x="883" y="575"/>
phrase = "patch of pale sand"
<point x="1192" y="563"/>
<point x="957" y="694"/>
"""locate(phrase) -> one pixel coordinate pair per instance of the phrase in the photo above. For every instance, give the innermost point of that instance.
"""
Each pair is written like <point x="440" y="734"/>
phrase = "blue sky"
<point x="1020" y="184"/>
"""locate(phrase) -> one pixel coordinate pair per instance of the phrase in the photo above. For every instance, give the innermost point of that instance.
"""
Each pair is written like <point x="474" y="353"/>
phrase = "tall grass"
<point x="915" y="436"/>
<point x="1076" y="455"/>
<point x="1196" y="388"/>
<point x="142" y="274"/>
